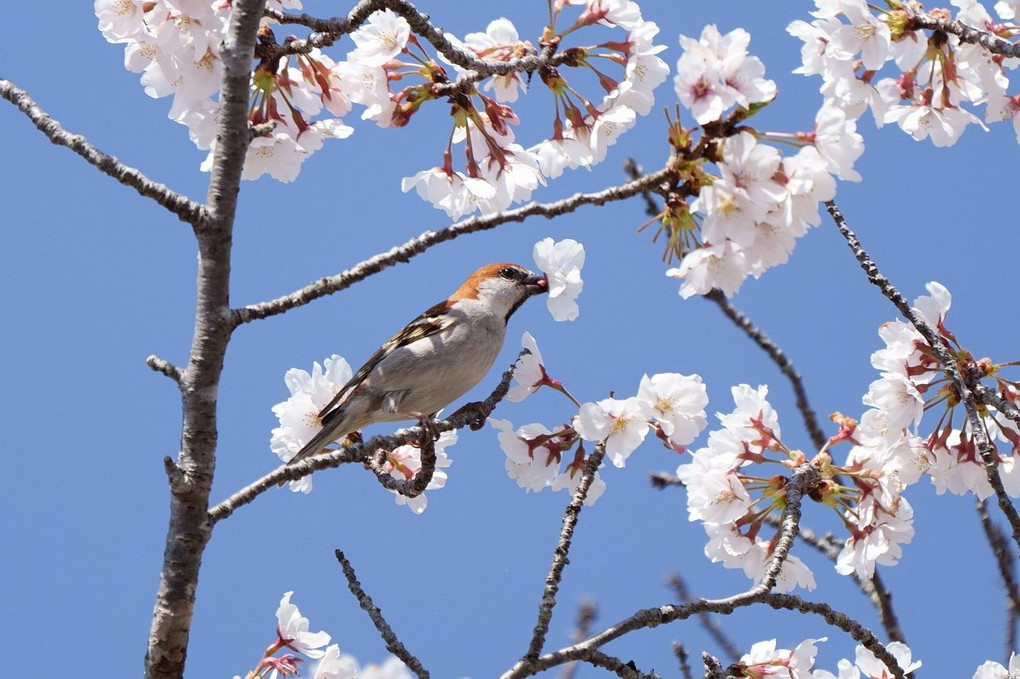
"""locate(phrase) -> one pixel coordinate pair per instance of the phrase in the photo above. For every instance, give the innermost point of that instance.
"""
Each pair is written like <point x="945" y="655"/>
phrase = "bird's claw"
<point x="479" y="410"/>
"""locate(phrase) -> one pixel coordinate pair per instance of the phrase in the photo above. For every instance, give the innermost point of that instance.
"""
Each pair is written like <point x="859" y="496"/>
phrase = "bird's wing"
<point x="429" y="323"/>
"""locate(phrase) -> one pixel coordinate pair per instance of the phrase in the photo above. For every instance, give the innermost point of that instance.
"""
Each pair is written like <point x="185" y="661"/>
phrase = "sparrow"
<point x="434" y="359"/>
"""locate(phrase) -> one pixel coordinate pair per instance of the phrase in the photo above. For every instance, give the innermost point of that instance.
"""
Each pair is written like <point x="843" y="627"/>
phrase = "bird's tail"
<point x="325" y="436"/>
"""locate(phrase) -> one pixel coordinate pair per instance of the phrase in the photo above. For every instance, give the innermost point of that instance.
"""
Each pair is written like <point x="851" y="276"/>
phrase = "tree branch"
<point x="944" y="355"/>
<point x="560" y="560"/>
<point x="393" y="644"/>
<point x="165" y="367"/>
<point x="186" y="209"/>
<point x="361" y="452"/>
<point x="818" y="437"/>
<point x="965" y="33"/>
<point x="707" y="621"/>
<point x="189" y="528"/>
<point x="1006" y="563"/>
<point x="328" y="31"/>
<point x="418" y="245"/>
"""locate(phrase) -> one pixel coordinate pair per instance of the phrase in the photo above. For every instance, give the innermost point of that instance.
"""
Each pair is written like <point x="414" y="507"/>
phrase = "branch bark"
<point x="190" y="528"/>
<point x="186" y="209"/>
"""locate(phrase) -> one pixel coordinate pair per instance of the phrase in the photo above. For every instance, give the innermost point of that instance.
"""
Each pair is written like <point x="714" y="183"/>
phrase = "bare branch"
<point x="186" y="209"/>
<point x="681" y="657"/>
<point x="418" y="245"/>
<point x="965" y="33"/>
<point x="1006" y="563"/>
<point x="362" y="452"/>
<point x="943" y="353"/>
<point x="560" y="560"/>
<point x="777" y="355"/>
<point x="417" y="484"/>
<point x="713" y="668"/>
<point x="586" y="614"/>
<point x="393" y="644"/>
<point x="625" y="670"/>
<point x="662" y="480"/>
<point x="707" y="621"/>
<point x="166" y="367"/>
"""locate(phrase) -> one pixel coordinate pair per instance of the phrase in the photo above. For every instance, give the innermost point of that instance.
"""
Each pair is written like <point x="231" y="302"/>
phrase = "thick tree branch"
<point x="363" y="453"/>
<point x="189" y="526"/>
<point x="418" y="245"/>
<point x="945" y="357"/>
<point x="186" y="209"/>
<point x="393" y="644"/>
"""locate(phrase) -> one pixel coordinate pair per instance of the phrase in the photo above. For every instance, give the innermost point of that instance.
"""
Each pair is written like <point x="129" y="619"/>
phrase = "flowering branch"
<point x="186" y="209"/>
<point x="393" y="644"/>
<point x="942" y="352"/>
<point x="364" y="453"/>
<point x="328" y="31"/>
<point x="965" y="33"/>
<point x="421" y="243"/>
<point x="818" y="437"/>
<point x="872" y="587"/>
<point x="653" y="617"/>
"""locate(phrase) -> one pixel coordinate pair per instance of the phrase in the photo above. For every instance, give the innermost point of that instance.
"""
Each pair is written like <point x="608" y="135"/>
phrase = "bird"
<point x="433" y="360"/>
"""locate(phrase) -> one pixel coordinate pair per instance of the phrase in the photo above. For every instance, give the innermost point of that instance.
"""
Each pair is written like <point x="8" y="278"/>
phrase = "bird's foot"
<point x="478" y="410"/>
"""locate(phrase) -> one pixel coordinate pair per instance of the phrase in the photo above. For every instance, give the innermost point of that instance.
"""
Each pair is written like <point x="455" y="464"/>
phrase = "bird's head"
<point x="502" y="288"/>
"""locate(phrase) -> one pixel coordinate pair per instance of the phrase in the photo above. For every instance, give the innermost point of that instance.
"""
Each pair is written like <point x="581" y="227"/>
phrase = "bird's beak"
<point x="538" y="284"/>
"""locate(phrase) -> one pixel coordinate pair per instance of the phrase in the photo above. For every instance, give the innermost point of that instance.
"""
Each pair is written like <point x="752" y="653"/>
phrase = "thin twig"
<point x="661" y="480"/>
<point x="872" y="587"/>
<point x="777" y="355"/>
<point x="1006" y="563"/>
<point x="560" y="560"/>
<point x="165" y="367"/>
<point x="945" y="357"/>
<point x="681" y="658"/>
<point x="414" y="486"/>
<point x="713" y="668"/>
<point x="706" y="619"/>
<point x="418" y="245"/>
<point x="393" y="644"/>
<point x="624" y="670"/>
<point x="362" y="452"/>
<point x="186" y="209"/>
<point x="586" y="615"/>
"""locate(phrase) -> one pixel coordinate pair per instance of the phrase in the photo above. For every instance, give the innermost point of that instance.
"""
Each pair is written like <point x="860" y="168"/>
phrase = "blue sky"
<point x="96" y="278"/>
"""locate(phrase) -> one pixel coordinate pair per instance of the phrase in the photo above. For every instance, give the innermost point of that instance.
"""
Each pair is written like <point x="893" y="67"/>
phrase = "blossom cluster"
<point x="670" y="404"/>
<point x="299" y="416"/>
<point x="765" y="660"/>
<point x="298" y="100"/>
<point x="734" y="501"/>
<point x="294" y="639"/>
<point x="937" y="80"/>
<point x="747" y="214"/>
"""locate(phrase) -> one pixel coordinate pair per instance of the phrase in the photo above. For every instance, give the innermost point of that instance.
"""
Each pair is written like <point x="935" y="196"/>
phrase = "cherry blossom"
<point x="994" y="670"/>
<point x="561" y="262"/>
<point x="621" y="423"/>
<point x="677" y="404"/>
<point x="404" y="462"/>
<point x="292" y="630"/>
<point x="333" y="665"/>
<point x="299" y="414"/>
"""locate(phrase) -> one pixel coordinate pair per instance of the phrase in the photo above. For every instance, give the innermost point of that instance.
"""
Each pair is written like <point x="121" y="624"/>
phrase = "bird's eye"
<point x="509" y="273"/>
